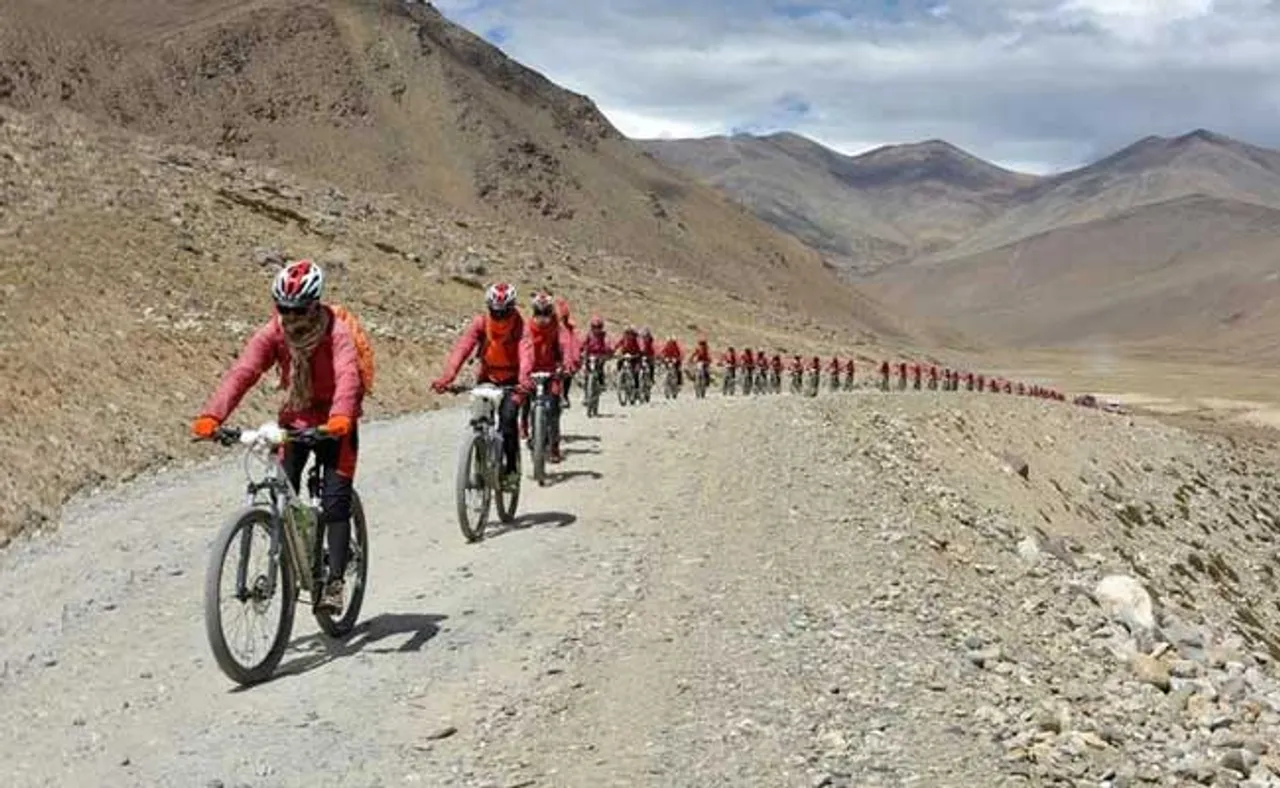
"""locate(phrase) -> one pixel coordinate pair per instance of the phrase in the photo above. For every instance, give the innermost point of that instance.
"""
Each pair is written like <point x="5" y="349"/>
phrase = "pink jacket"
<point x="335" y="375"/>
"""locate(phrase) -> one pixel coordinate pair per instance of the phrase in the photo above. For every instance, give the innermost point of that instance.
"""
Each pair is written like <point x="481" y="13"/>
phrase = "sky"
<point x="1035" y="85"/>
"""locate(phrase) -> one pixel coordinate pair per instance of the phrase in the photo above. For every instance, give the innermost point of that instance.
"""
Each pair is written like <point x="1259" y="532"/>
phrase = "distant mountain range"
<point x="1170" y="242"/>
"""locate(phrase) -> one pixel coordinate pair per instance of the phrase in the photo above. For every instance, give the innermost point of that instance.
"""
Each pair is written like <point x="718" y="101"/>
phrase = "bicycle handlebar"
<point x="271" y="433"/>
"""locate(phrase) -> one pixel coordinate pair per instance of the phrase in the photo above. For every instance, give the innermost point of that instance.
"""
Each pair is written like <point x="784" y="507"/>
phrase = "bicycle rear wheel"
<point x="250" y="589"/>
<point x="355" y="577"/>
<point x="473" y="487"/>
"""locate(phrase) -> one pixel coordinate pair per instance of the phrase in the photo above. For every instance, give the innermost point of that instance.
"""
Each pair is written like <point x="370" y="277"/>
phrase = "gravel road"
<point x="721" y="592"/>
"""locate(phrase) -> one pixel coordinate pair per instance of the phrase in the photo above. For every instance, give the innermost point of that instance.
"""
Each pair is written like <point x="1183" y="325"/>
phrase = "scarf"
<point x="302" y="339"/>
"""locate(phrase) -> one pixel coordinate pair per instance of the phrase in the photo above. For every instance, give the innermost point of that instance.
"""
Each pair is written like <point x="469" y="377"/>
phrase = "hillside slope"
<point x="131" y="270"/>
<point x="1195" y="275"/>
<point x="865" y="211"/>
<point x="386" y="96"/>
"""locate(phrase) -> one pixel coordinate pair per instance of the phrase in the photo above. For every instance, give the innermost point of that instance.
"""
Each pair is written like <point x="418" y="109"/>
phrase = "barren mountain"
<point x="1191" y="276"/>
<point x="389" y="96"/>
<point x="1152" y="170"/>
<point x="884" y="206"/>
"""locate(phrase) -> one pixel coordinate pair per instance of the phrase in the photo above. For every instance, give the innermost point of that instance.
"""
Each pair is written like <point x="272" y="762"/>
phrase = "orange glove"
<point x="338" y="426"/>
<point x="204" y="427"/>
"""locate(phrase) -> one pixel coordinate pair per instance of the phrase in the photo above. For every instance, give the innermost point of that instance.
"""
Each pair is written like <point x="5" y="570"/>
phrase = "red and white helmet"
<point x="298" y="284"/>
<point x="500" y="297"/>
<point x="543" y="305"/>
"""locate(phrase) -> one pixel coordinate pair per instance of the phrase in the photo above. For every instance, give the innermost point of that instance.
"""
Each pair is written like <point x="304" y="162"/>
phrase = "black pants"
<point x="509" y="424"/>
<point x="337" y="462"/>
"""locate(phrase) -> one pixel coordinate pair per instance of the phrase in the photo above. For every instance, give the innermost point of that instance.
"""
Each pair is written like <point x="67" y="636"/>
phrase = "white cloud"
<point x="1033" y="83"/>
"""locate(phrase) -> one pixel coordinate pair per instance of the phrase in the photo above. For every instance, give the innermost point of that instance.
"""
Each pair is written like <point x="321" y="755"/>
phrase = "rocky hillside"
<point x="389" y="96"/>
<point x="131" y="270"/>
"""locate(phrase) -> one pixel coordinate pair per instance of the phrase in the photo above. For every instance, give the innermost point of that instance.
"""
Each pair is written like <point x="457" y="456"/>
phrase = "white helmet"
<point x="298" y="284"/>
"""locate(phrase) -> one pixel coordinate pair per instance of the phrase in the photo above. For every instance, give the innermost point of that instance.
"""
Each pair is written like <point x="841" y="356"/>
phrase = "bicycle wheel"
<point x="473" y="488"/>
<point x="356" y="576"/>
<point x="592" y="396"/>
<point x="254" y="595"/>
<point x="539" y="452"/>
<point x="506" y="502"/>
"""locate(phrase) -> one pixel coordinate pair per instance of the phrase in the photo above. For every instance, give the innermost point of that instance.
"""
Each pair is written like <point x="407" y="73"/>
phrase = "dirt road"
<point x="695" y="602"/>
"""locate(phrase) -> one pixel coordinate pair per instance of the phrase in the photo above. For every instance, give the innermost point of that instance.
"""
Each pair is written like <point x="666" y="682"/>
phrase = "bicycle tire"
<point x="506" y="503"/>
<point x="263" y="670"/>
<point x="472" y="449"/>
<point x="539" y="452"/>
<point x="342" y="627"/>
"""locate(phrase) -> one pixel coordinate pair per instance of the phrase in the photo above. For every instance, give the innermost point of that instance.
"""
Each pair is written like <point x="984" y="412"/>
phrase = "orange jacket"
<point x="504" y="359"/>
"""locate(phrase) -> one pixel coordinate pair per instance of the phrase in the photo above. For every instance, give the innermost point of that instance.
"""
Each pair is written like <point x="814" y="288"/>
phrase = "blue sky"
<point x="1037" y="85"/>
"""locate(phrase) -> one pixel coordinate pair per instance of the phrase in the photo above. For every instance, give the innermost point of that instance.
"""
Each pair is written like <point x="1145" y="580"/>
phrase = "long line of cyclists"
<point x="522" y="365"/>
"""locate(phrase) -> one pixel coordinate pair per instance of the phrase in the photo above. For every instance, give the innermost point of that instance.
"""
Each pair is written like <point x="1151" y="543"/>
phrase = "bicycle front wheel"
<point x="255" y="587"/>
<point x="473" y="487"/>
<point x="540" y="444"/>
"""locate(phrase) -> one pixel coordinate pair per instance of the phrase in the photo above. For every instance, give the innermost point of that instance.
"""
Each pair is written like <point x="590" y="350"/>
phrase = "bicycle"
<point x="701" y="380"/>
<point x="669" y="388"/>
<point x="480" y="461"/>
<point x="540" y="437"/>
<point x="813" y="383"/>
<point x="646" y="380"/>
<point x="730" y="378"/>
<point x="627" y="383"/>
<point x="775" y="381"/>
<point x="297" y="561"/>
<point x="797" y="381"/>
<point x="591" y="384"/>
<point x="833" y="381"/>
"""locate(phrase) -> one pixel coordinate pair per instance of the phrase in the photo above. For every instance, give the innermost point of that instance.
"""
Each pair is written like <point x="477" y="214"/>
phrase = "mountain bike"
<point x="479" y="478"/>
<point x="848" y="381"/>
<point x="833" y="381"/>
<point x="813" y="383"/>
<point x="627" y="384"/>
<point x="797" y="381"/>
<point x="669" y="388"/>
<point x="701" y="380"/>
<point x="762" y="380"/>
<point x="591" y="384"/>
<point x="730" y="378"/>
<point x="540" y="435"/>
<point x="293" y="556"/>
<point x="775" y="381"/>
<point x="646" y="379"/>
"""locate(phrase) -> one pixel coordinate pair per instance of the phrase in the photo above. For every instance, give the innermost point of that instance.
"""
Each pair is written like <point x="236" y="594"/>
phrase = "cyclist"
<point x="596" y="343"/>
<point x="850" y="368"/>
<point x="320" y="373"/>
<point x="549" y="345"/>
<point x="496" y="337"/>
<point x="884" y="375"/>
<point x="629" y="345"/>
<point x="701" y="357"/>
<point x="566" y="321"/>
<point x="647" y="353"/>
<point x="673" y="354"/>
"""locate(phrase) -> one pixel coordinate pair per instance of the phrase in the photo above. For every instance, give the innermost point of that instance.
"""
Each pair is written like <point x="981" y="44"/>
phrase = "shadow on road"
<point x="560" y="477"/>
<point x="314" y="651"/>
<point x="579" y="438"/>
<point x="531" y="520"/>
<point x="568" y="452"/>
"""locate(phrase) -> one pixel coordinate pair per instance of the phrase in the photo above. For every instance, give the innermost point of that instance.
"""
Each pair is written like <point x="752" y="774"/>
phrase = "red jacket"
<point x="627" y="345"/>
<point x="775" y="363"/>
<point x="504" y="365"/>
<point x="549" y="348"/>
<point x="335" y="375"/>
<point x="595" y="344"/>
<point x="671" y="351"/>
<point x="701" y="355"/>
<point x="747" y="359"/>
<point x="729" y="359"/>
<point x="646" y="347"/>
<point x="833" y="365"/>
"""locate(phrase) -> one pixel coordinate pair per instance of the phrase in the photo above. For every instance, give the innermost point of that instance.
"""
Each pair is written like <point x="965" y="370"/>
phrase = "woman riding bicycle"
<point x="320" y="372"/>
<point x="496" y="337"/>
<point x="551" y="348"/>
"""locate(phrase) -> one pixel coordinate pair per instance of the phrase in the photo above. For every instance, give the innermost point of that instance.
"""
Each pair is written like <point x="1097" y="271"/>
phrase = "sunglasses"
<point x="293" y="310"/>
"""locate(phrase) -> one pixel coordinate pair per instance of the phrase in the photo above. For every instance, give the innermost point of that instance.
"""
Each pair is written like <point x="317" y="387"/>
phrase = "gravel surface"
<point x="859" y="589"/>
